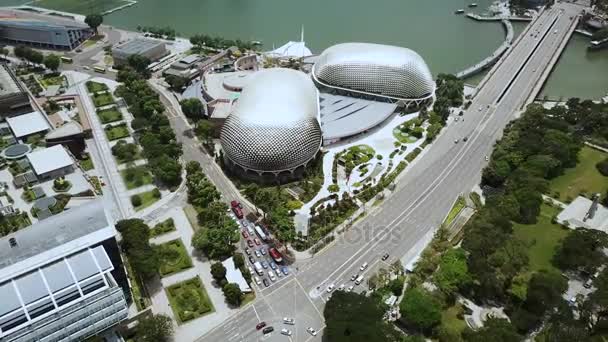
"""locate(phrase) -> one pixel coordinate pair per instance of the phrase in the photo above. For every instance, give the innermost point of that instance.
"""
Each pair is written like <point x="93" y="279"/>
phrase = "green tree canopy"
<point x="94" y="20"/>
<point x="581" y="251"/>
<point x="453" y="272"/>
<point x="52" y="62"/>
<point x="156" y="328"/>
<point x="420" y="310"/>
<point x="495" y="330"/>
<point x="353" y="317"/>
<point x="218" y="271"/>
<point x="192" y="108"/>
<point x="142" y="257"/>
<point x="233" y="294"/>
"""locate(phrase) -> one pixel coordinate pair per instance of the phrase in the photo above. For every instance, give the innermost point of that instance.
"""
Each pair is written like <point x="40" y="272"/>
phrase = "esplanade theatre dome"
<point x="273" y="130"/>
<point x="382" y="71"/>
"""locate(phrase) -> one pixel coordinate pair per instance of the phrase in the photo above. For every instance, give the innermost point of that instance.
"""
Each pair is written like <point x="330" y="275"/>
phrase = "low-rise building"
<point x="6" y="207"/>
<point x="62" y="279"/>
<point x="234" y="275"/>
<point x="13" y="96"/>
<point x="28" y="124"/>
<point x="585" y="213"/>
<point x="56" y="34"/>
<point x="149" y="48"/>
<point x="51" y="162"/>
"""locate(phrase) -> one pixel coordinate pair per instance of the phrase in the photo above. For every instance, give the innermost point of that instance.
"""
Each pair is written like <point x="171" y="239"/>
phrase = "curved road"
<point x="424" y="194"/>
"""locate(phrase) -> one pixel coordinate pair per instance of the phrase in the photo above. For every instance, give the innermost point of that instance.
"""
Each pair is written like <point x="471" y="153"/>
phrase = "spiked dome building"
<point x="273" y="131"/>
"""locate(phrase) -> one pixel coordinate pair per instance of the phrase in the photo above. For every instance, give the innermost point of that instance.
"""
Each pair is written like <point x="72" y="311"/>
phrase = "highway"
<point x="423" y="196"/>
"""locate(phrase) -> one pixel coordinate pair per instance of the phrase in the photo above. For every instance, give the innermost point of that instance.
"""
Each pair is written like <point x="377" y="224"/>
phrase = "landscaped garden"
<point x="355" y="156"/>
<point x="456" y="208"/>
<point x="583" y="178"/>
<point x="12" y="223"/>
<point x="409" y="131"/>
<point x="61" y="185"/>
<point x="173" y="257"/>
<point x="102" y="99"/>
<point x="145" y="199"/>
<point x="109" y="115"/>
<point x="116" y="131"/>
<point x="136" y="176"/>
<point x="189" y="300"/>
<point x="87" y="163"/>
<point x="163" y="228"/>
<point x="52" y="79"/>
<point x="95" y="87"/>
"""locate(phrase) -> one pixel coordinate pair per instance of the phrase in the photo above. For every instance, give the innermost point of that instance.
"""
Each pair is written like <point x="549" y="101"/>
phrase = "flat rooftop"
<point x="8" y="85"/>
<point x="49" y="159"/>
<point x="137" y="46"/>
<point x="53" y="238"/>
<point x="574" y="214"/>
<point x="343" y="116"/>
<point x="27" y="124"/>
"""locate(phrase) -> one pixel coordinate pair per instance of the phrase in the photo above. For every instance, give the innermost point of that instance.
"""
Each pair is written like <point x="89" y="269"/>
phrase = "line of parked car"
<point x="357" y="278"/>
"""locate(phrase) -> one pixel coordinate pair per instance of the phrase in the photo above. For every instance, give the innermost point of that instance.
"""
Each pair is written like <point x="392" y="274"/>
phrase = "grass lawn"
<point x="102" y="99"/>
<point x="87" y="164"/>
<point x="109" y="115"/>
<point x="541" y="238"/>
<point x="582" y="178"/>
<point x="163" y="228"/>
<point x="136" y="176"/>
<point x="97" y="184"/>
<point x="456" y="208"/>
<point x="79" y="6"/>
<point x="247" y="298"/>
<point x="116" y="132"/>
<point x="173" y="257"/>
<point x="189" y="300"/>
<point x="147" y="199"/>
<point x="402" y="137"/>
<point x="192" y="216"/>
<point x="94" y="87"/>
<point x="47" y="81"/>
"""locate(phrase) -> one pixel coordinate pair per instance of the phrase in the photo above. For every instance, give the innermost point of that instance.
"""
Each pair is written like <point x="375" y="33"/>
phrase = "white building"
<point x="28" y="124"/>
<point x="51" y="162"/>
<point x="583" y="213"/>
<point x="58" y="278"/>
<point x="234" y="275"/>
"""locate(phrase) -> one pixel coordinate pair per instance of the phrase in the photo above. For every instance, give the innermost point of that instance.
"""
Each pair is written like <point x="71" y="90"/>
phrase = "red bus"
<point x="275" y="255"/>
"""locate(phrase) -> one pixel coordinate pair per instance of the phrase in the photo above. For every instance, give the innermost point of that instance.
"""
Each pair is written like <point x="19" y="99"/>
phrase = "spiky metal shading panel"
<point x="270" y="147"/>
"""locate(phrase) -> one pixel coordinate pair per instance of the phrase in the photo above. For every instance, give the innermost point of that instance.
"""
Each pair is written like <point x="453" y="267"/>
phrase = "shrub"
<point x="379" y="157"/>
<point x="602" y="167"/>
<point x="156" y="193"/>
<point x="136" y="200"/>
<point x="333" y="188"/>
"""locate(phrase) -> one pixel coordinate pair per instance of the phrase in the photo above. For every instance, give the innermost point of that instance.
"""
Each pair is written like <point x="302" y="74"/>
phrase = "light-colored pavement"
<point x="427" y="190"/>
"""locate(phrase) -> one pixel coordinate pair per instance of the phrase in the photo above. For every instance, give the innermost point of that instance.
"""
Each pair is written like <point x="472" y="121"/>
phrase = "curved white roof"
<point x="384" y="70"/>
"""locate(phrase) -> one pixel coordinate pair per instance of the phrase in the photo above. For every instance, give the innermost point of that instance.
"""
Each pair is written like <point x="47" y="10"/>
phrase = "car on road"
<point x="257" y="280"/>
<point x="273" y="265"/>
<point x="260" y="325"/>
<point x="341" y="287"/>
<point x="245" y="235"/>
<point x="465" y="138"/>
<point x="288" y="320"/>
<point x="285" y="270"/>
<point x="480" y="108"/>
<point x="363" y="267"/>
<point x="266" y="282"/>
<point x="247" y="251"/>
<point x="263" y="251"/>
<point x="264" y="264"/>
<point x="286" y="332"/>
<point x="311" y="331"/>
<point x="350" y="288"/>
<point x="249" y="243"/>
<point x="268" y="330"/>
<point x="487" y="158"/>
<point x="385" y="256"/>
<point x="257" y="253"/>
<point x="456" y="141"/>
<point x="330" y="288"/>
<point x="251" y="260"/>
<point x="355" y="276"/>
<point x="359" y="280"/>
<point x="257" y="242"/>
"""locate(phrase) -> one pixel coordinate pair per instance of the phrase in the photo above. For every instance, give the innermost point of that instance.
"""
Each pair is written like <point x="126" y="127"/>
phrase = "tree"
<point x="218" y="271"/>
<point x="155" y="328"/>
<point x="420" y="310"/>
<point x="396" y="286"/>
<point x="192" y="108"/>
<point x="581" y="251"/>
<point x="52" y="62"/>
<point x="233" y="294"/>
<point x="544" y="291"/>
<point x="453" y="272"/>
<point x="175" y="82"/>
<point x="494" y="329"/>
<point x="239" y="260"/>
<point x="354" y="317"/>
<point x="602" y="167"/>
<point x="142" y="257"/>
<point x="94" y="20"/>
<point x="140" y="64"/>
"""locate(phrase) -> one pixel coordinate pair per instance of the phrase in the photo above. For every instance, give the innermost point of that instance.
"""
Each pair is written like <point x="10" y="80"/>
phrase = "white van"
<point x="258" y="268"/>
<point x="359" y="280"/>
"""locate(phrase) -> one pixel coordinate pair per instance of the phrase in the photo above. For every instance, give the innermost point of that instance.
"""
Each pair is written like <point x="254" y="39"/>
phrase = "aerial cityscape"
<point x="331" y="171"/>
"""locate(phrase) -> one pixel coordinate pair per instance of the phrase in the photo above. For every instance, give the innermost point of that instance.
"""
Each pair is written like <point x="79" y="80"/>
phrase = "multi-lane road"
<point x="423" y="195"/>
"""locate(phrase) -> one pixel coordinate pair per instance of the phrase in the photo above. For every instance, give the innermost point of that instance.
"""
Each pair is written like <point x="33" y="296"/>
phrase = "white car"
<point x="350" y="288"/>
<point x="487" y="158"/>
<point x="330" y="288"/>
<point x="363" y="267"/>
<point x="271" y="274"/>
<point x="257" y="253"/>
<point x="341" y="287"/>
<point x="311" y="331"/>
<point x="286" y="332"/>
<point x="250" y="269"/>
<point x="257" y="280"/>
<point x="355" y="276"/>
<point x="288" y="320"/>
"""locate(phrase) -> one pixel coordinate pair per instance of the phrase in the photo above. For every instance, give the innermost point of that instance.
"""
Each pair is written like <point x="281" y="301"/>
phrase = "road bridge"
<point x="424" y="193"/>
